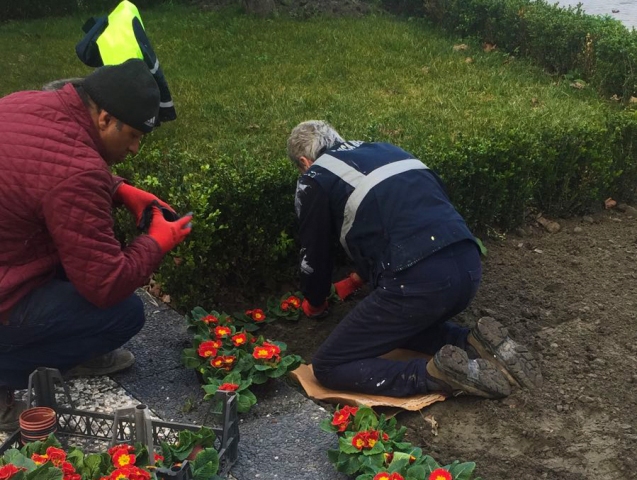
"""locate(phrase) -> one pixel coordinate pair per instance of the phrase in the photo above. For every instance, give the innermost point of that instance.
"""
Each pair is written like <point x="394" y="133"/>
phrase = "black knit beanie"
<point x="127" y="91"/>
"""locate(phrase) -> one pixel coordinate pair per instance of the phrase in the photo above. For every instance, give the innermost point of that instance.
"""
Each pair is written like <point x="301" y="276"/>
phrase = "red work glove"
<point x="168" y="234"/>
<point x="314" y="312"/>
<point x="349" y="285"/>
<point x="136" y="200"/>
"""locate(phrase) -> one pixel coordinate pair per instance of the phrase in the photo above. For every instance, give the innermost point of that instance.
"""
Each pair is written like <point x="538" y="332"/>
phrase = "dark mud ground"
<point x="572" y="297"/>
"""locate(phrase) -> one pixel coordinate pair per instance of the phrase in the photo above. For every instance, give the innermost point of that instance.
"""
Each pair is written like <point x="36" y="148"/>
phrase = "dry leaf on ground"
<point x="489" y="47"/>
<point x="460" y="47"/>
<point x="549" y="225"/>
<point x="609" y="203"/>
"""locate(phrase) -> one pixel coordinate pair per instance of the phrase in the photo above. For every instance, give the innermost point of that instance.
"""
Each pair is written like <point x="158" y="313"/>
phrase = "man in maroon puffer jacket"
<point x="66" y="284"/>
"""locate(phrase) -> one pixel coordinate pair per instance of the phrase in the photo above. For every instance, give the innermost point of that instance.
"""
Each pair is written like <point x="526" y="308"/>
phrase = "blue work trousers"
<point x="54" y="326"/>
<point x="409" y="309"/>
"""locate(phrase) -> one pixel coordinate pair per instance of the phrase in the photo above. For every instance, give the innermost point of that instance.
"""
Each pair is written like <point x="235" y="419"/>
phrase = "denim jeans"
<point x="409" y="309"/>
<point x="54" y="326"/>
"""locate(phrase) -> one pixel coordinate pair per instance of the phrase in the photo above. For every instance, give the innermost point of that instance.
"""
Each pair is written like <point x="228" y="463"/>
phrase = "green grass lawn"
<point x="240" y="84"/>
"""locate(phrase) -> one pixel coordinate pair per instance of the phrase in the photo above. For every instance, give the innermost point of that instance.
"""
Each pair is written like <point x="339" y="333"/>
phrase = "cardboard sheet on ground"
<point x="305" y="376"/>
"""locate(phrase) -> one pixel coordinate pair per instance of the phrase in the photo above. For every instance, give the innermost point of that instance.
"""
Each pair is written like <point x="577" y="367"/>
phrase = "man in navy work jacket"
<point x="392" y="216"/>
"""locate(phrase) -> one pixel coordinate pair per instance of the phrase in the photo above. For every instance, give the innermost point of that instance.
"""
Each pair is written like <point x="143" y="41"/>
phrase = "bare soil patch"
<point x="571" y="296"/>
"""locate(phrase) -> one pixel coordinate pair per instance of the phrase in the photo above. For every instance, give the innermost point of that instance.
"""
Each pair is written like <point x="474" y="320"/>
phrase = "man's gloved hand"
<point x="349" y="285"/>
<point x="136" y="200"/>
<point x="314" y="312"/>
<point x="168" y="234"/>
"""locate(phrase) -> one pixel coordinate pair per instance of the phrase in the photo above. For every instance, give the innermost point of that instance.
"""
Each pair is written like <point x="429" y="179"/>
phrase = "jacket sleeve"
<point x="78" y="216"/>
<point x="313" y="210"/>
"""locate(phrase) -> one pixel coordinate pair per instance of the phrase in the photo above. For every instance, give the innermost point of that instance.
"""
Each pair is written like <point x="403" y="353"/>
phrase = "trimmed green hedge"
<point x="600" y="50"/>
<point x="243" y="208"/>
<point x="561" y="171"/>
<point x="243" y="222"/>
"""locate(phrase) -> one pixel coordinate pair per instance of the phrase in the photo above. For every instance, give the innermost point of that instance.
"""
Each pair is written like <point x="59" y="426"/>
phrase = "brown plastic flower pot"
<point x="37" y="423"/>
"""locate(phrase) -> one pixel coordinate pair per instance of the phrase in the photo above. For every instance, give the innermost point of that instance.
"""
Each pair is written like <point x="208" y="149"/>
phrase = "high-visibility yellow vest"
<point x="119" y="37"/>
<point x="117" y="43"/>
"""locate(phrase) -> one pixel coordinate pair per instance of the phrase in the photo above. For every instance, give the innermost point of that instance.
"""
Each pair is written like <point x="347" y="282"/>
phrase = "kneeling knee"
<point x="322" y="372"/>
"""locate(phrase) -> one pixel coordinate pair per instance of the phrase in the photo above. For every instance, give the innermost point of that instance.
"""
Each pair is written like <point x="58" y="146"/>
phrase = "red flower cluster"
<point x="367" y="439"/>
<point x="129" y="472"/>
<point x="388" y="476"/>
<point x="257" y="315"/>
<point x="228" y="387"/>
<point x="267" y="351"/>
<point x="57" y="457"/>
<point x="123" y="457"/>
<point x="207" y="349"/>
<point x="291" y="302"/>
<point x="223" y="361"/>
<point x="341" y="417"/>
<point x="208" y="319"/>
<point x="440" y="474"/>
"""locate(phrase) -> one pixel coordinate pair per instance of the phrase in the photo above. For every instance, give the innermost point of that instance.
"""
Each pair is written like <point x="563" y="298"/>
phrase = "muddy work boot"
<point x="457" y="374"/>
<point x="492" y="342"/>
<point x="10" y="410"/>
<point x="112" y="362"/>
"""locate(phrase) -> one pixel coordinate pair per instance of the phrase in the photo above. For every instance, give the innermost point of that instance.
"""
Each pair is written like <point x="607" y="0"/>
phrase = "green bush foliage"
<point x="561" y="170"/>
<point x="242" y="226"/>
<point x="563" y="40"/>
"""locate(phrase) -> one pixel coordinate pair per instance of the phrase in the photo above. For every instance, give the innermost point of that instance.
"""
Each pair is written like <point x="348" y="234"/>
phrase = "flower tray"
<point x="128" y="425"/>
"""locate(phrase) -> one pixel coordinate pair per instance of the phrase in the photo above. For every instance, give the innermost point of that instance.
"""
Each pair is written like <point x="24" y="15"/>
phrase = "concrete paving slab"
<point x="280" y="436"/>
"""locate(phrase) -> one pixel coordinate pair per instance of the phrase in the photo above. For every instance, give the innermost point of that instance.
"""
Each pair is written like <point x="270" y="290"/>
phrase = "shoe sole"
<point x="93" y="372"/>
<point x="475" y="377"/>
<point x="491" y="340"/>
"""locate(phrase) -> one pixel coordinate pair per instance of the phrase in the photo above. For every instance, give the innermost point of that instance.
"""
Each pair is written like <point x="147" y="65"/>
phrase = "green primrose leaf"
<point x="45" y="472"/>
<point x="462" y="471"/>
<point x="17" y="458"/>
<point x="326" y="426"/>
<point x="190" y="358"/>
<point x="332" y="455"/>
<point x="208" y="458"/>
<point x="245" y="400"/>
<point x="416" y="472"/>
<point x="198" y="313"/>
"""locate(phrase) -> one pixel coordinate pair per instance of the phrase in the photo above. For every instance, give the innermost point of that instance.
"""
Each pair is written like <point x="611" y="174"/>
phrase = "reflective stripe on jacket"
<point x="390" y="211"/>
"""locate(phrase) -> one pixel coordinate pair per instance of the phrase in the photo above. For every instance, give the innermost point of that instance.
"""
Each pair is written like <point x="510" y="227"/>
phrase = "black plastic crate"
<point x="128" y="425"/>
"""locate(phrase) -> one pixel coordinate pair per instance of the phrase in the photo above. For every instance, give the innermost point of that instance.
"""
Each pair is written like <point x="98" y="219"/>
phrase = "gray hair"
<point x="309" y="138"/>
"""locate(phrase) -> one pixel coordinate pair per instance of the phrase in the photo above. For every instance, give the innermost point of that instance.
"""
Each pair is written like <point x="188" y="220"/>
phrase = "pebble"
<point x="554" y="345"/>
<point x="588" y="219"/>
<point x="578" y="230"/>
<point x="586" y="399"/>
